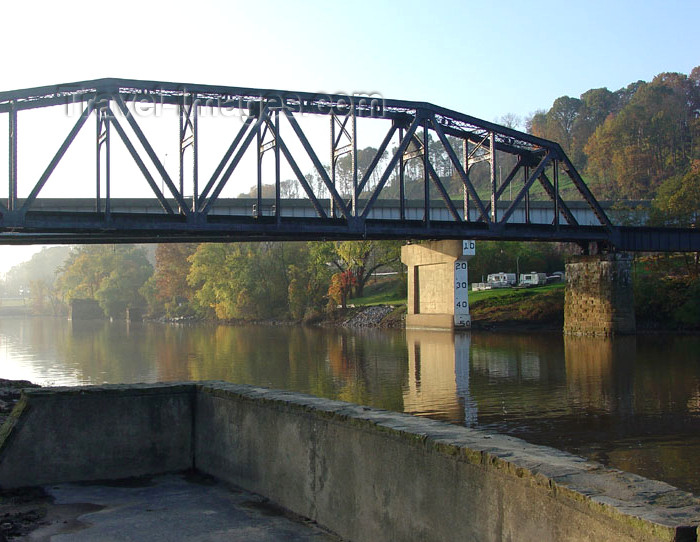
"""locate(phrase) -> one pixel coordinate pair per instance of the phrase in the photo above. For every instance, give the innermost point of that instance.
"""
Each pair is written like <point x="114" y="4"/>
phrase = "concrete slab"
<point x="169" y="508"/>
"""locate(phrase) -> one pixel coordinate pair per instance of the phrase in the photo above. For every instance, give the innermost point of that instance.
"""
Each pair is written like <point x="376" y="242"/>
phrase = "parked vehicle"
<point x="557" y="276"/>
<point x="501" y="280"/>
<point x="495" y="280"/>
<point x="533" y="279"/>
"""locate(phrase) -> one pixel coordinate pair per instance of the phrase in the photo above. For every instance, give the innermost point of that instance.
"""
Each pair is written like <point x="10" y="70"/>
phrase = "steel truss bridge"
<point x="271" y="127"/>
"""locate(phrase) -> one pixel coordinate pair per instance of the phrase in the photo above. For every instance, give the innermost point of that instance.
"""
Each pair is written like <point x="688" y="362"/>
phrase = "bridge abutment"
<point x="437" y="285"/>
<point x="85" y="309"/>
<point x="599" y="298"/>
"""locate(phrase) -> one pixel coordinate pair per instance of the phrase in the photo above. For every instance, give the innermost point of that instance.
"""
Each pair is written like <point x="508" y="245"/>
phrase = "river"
<point x="632" y="403"/>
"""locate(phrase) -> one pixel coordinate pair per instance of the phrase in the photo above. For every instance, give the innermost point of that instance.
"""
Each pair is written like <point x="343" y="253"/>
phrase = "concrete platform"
<point x="169" y="508"/>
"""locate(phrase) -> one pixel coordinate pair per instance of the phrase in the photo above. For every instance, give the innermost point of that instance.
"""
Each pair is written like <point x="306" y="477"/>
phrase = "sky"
<point x="486" y="59"/>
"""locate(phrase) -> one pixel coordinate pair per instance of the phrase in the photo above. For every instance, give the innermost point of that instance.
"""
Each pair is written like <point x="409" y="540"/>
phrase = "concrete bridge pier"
<point x="599" y="299"/>
<point x="438" y="284"/>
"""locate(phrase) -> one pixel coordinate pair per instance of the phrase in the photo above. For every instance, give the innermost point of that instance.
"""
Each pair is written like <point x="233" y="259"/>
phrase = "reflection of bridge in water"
<point x="608" y="399"/>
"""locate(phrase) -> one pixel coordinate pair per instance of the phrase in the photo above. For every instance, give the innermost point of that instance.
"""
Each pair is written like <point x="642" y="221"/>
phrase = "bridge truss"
<point x="271" y="126"/>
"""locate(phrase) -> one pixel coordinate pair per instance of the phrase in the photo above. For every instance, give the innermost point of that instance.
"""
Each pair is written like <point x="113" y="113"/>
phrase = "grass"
<point x="383" y="291"/>
<point x="510" y="295"/>
<point x="543" y="305"/>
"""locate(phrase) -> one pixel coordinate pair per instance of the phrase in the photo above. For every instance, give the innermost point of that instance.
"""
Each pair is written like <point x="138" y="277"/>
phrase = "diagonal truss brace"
<point x="139" y="162"/>
<point x="585" y="192"/>
<point x="408" y="137"/>
<point x="526" y="188"/>
<point x="337" y="151"/>
<point x="252" y="131"/>
<point x="222" y="164"/>
<point x="461" y="171"/>
<point x="559" y="204"/>
<point x="436" y="180"/>
<point x="188" y="116"/>
<point x="57" y="157"/>
<point x="337" y="199"/>
<point x="151" y="154"/>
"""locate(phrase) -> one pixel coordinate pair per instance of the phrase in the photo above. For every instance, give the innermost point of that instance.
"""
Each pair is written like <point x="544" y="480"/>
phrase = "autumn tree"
<point x="341" y="285"/>
<point x="629" y="141"/>
<point x="647" y="141"/>
<point x="363" y="258"/>
<point x="168" y="289"/>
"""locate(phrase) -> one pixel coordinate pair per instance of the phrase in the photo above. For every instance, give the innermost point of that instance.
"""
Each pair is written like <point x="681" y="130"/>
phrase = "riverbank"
<point x="512" y="309"/>
<point x="530" y="309"/>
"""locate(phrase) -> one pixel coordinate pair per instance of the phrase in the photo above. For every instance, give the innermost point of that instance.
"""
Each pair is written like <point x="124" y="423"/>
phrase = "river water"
<point x="632" y="403"/>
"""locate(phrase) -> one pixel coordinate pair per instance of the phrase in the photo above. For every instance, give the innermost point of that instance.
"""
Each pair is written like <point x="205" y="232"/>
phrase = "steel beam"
<point x="12" y="155"/>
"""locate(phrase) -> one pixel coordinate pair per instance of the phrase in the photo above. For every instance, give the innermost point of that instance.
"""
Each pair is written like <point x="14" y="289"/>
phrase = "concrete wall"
<point x="364" y="473"/>
<point x="599" y="299"/>
<point x="374" y="475"/>
<point x="96" y="433"/>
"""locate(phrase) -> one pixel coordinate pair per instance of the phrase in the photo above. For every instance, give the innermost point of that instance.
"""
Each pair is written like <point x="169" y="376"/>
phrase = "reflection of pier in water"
<point x="438" y="375"/>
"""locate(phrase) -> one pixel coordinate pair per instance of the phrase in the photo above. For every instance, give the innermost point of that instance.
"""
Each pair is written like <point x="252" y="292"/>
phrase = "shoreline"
<point x="393" y="317"/>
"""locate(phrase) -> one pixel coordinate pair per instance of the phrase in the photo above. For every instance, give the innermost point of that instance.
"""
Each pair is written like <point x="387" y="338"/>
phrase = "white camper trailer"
<point x="533" y="279"/>
<point x="501" y="280"/>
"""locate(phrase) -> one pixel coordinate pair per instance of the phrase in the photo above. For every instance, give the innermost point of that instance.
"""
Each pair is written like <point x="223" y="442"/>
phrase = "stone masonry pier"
<point x="599" y="296"/>
<point x="363" y="473"/>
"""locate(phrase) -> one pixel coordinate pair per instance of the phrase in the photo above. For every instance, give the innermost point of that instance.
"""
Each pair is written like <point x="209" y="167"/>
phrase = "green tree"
<point x="561" y="119"/>
<point x="209" y="276"/>
<point x="678" y="200"/>
<point x="309" y="277"/>
<point x="112" y="275"/>
<point x="245" y="280"/>
<point x="120" y="289"/>
<point x="84" y="270"/>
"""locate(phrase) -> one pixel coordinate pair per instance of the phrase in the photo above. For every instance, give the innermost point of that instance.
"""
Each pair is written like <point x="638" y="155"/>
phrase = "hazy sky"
<point x="481" y="58"/>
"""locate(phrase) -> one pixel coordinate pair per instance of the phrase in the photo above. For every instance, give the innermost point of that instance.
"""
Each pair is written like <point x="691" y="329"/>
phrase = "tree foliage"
<point x="341" y="285"/>
<point x="110" y="274"/>
<point x="677" y="202"/>
<point x="168" y="290"/>
<point x="251" y="280"/>
<point x="362" y="258"/>
<point x="628" y="142"/>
